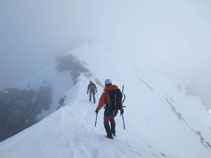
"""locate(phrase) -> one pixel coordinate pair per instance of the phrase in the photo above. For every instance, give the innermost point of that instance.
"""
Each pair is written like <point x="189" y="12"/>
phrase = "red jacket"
<point x="104" y="99"/>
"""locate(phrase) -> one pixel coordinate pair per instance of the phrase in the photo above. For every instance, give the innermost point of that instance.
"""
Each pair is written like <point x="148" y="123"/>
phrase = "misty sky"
<point x="172" y="37"/>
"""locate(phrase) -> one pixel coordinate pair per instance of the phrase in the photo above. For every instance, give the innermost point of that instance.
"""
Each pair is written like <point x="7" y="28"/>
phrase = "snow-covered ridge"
<point x="161" y="121"/>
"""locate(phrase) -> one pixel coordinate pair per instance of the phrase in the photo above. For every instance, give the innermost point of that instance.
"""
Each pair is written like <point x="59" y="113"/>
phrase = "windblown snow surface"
<point x="161" y="120"/>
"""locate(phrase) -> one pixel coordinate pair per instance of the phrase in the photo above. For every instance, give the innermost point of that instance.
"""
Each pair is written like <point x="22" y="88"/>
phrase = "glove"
<point x="122" y="111"/>
<point x="96" y="111"/>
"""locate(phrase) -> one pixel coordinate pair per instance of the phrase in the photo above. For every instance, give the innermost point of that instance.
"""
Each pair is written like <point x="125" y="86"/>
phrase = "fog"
<point x="172" y="37"/>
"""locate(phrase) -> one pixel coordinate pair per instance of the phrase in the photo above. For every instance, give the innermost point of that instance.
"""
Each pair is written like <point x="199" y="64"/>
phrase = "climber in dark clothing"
<point x="92" y="89"/>
<point x="61" y="102"/>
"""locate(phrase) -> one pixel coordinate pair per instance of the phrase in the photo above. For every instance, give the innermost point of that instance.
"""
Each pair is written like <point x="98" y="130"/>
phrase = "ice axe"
<point x="123" y="120"/>
<point x="96" y="119"/>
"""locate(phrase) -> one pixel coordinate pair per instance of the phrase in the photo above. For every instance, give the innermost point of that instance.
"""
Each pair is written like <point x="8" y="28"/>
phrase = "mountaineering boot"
<point x="113" y="131"/>
<point x="108" y="131"/>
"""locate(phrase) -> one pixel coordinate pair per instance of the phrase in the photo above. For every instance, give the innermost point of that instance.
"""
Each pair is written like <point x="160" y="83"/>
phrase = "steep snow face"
<point x="161" y="121"/>
<point x="157" y="107"/>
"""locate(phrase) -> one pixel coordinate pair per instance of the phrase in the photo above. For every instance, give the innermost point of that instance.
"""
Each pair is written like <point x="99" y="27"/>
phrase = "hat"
<point x="108" y="81"/>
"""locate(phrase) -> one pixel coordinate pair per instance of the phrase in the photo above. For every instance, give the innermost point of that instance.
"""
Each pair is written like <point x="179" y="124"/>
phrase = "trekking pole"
<point x="96" y="119"/>
<point x="123" y="120"/>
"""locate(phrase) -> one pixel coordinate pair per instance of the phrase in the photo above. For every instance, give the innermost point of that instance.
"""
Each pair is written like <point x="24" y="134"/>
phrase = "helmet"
<point x="108" y="81"/>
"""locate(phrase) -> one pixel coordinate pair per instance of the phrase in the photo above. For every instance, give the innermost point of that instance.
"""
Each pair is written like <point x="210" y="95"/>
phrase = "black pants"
<point x="90" y="96"/>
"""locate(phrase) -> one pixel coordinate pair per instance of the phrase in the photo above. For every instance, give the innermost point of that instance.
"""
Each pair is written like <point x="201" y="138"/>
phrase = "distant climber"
<point x="61" y="102"/>
<point x="92" y="89"/>
<point x="112" y="98"/>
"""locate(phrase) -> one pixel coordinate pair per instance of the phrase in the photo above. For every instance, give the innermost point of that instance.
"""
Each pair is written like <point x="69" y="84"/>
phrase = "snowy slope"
<point x="70" y="132"/>
<point x="161" y="121"/>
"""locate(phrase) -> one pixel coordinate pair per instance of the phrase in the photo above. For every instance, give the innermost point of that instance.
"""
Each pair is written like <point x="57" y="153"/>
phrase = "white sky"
<point x="172" y="37"/>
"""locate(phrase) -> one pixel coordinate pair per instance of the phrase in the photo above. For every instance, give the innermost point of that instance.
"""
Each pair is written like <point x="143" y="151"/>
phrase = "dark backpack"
<point x="115" y="99"/>
<point x="92" y="87"/>
<point x="115" y="102"/>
